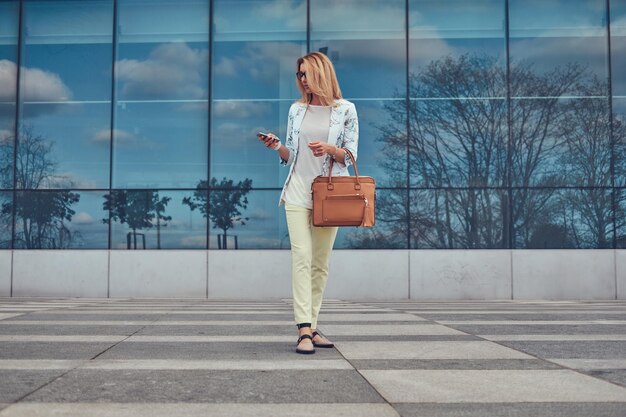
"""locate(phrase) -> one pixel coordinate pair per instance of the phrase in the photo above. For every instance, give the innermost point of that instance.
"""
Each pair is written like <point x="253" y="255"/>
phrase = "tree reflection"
<point x="41" y="216"/>
<point x="221" y="204"/>
<point x="467" y="150"/>
<point x="140" y="210"/>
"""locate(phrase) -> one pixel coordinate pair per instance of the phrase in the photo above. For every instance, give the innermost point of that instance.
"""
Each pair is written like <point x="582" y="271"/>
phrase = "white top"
<point x="314" y="128"/>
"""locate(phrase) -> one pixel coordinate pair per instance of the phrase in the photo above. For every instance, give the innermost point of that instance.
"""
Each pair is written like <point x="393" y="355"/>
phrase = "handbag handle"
<point x="356" y="171"/>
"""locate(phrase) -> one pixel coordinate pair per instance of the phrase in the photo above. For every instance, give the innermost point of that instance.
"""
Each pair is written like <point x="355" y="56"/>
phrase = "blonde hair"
<point x="320" y="77"/>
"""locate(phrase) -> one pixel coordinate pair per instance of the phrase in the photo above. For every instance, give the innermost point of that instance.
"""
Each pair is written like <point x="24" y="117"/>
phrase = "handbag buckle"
<point x="330" y="187"/>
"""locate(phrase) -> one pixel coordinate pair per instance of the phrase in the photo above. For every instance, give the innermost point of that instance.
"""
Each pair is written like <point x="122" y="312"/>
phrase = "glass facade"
<point x="490" y="124"/>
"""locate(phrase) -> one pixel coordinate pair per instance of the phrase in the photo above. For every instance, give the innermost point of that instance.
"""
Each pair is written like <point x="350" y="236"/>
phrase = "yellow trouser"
<point x="310" y="253"/>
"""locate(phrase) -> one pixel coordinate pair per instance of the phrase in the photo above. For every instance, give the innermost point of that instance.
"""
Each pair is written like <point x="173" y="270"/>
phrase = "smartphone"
<point x="265" y="135"/>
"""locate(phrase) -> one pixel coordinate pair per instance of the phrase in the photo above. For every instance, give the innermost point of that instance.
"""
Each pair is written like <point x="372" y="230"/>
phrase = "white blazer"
<point x="343" y="132"/>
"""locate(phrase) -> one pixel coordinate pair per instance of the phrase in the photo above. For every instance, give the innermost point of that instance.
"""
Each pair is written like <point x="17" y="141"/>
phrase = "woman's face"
<point x="303" y="69"/>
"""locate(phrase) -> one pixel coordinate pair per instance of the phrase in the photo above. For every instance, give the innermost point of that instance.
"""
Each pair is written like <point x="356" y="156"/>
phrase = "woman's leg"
<point x="323" y="239"/>
<point x="299" y="225"/>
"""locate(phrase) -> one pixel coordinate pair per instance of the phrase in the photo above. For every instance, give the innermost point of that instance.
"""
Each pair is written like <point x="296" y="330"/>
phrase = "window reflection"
<point x="9" y="20"/>
<point x="161" y="86"/>
<point x="459" y="219"/>
<point x="257" y="221"/>
<point x="159" y="144"/>
<point x="65" y="91"/>
<point x="466" y="35"/>
<point x="59" y="220"/>
<point x="365" y="41"/>
<point x="561" y="142"/>
<point x="458" y="143"/>
<point x="235" y="151"/>
<point x="550" y="37"/>
<point x="6" y="219"/>
<point x="382" y="141"/>
<point x="153" y="219"/>
<point x="255" y="47"/>
<point x="618" y="47"/>
<point x="620" y="218"/>
<point x="562" y="218"/>
<point x="619" y="140"/>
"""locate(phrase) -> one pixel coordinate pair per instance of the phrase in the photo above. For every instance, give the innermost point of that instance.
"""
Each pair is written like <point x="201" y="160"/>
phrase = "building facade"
<point x="129" y="164"/>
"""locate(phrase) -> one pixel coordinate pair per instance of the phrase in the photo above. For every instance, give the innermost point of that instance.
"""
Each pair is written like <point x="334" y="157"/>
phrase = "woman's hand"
<point x="269" y="140"/>
<point x="321" y="148"/>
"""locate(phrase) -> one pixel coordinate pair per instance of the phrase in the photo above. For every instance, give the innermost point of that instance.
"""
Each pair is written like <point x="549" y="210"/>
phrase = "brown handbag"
<point x="343" y="201"/>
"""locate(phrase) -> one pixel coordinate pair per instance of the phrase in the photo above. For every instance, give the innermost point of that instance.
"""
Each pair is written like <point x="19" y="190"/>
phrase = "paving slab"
<point x="453" y="364"/>
<point x="387" y="329"/>
<point x="218" y="331"/>
<point x="15" y="384"/>
<point x="212" y="351"/>
<point x="591" y="363"/>
<point x="597" y="349"/>
<point x="69" y="329"/>
<point x="195" y="410"/>
<point x="233" y="386"/>
<point x="617" y="376"/>
<point x="543" y="329"/>
<point x="4" y="316"/>
<point x="51" y="350"/>
<point x="103" y="316"/>
<point x="486" y="386"/>
<point x="525" y="316"/>
<point x="427" y="350"/>
<point x="512" y="410"/>
<point x="375" y="317"/>
<point x="417" y="338"/>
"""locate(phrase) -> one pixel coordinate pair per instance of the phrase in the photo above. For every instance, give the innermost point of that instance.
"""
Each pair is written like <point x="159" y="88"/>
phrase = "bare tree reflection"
<point x="140" y="210"/>
<point x="41" y="216"/>
<point x="463" y="143"/>
<point x="221" y="204"/>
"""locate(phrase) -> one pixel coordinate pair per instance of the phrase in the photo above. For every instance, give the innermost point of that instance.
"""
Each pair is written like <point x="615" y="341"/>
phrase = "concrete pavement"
<point x="188" y="357"/>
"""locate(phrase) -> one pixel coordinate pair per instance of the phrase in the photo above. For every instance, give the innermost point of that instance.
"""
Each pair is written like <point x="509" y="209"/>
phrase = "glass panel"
<point x="70" y="144"/>
<point x="619" y="139"/>
<point x="9" y="19"/>
<point x="65" y="93"/>
<point x="60" y="220"/>
<point x="253" y="84"/>
<point x="159" y="144"/>
<point x="382" y="141"/>
<point x="236" y="153"/>
<point x="459" y="219"/>
<point x="152" y="219"/>
<point x="6" y="219"/>
<point x="161" y="121"/>
<point x="620" y="217"/>
<point x="561" y="142"/>
<point x="562" y="218"/>
<point x="390" y="231"/>
<point x="462" y="41"/>
<point x="255" y="47"/>
<point x="618" y="47"/>
<point x="366" y="44"/>
<point x="557" y="46"/>
<point x="458" y="143"/>
<point x="246" y="219"/>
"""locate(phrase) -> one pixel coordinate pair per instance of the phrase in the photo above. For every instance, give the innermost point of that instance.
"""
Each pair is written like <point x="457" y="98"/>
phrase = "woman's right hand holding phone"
<point x="270" y="140"/>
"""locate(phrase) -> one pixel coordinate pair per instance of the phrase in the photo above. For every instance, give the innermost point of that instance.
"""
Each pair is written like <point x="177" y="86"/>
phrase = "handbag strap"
<point x="356" y="171"/>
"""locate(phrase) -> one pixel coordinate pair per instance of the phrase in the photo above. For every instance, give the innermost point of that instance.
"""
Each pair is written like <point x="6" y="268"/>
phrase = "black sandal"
<point x="321" y="345"/>
<point x="304" y="336"/>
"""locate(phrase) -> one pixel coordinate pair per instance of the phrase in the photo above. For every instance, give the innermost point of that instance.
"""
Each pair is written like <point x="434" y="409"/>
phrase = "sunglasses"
<point x="300" y="74"/>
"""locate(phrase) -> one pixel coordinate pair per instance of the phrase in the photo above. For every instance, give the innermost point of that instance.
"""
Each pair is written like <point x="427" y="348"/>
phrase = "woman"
<point x="320" y="126"/>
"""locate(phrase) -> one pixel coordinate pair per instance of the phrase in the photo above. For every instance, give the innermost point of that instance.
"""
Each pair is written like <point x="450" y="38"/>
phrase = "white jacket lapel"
<point x="336" y="125"/>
